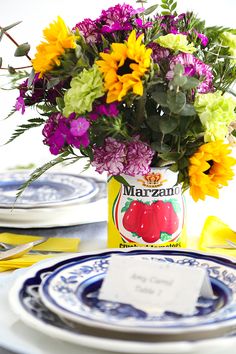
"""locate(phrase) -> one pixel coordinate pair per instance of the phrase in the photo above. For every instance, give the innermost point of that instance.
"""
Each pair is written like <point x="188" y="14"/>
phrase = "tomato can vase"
<point x="146" y="211"/>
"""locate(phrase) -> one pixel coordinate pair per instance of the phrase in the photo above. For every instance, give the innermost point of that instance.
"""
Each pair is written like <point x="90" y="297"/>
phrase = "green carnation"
<point x="229" y="40"/>
<point x="176" y="42"/>
<point x="85" y="88"/>
<point x="216" y="112"/>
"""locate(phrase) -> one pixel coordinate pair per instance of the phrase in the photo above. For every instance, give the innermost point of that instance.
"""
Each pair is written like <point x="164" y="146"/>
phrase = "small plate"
<point x="26" y="303"/>
<point x="72" y="293"/>
<point x="51" y="189"/>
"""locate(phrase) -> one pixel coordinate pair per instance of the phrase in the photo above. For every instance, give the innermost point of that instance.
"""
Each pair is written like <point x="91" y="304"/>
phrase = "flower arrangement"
<point x="136" y="88"/>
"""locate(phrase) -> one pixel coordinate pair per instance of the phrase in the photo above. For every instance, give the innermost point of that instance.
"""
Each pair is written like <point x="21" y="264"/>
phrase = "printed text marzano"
<point x="148" y="192"/>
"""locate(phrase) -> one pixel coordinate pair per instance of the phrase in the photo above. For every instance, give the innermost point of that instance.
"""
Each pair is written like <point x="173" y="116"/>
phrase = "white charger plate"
<point x="26" y="303"/>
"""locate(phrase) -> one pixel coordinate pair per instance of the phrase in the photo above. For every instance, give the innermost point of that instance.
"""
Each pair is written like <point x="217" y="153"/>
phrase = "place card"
<point x="155" y="286"/>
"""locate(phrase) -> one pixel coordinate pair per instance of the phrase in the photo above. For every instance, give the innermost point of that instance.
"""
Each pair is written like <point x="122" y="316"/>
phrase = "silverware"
<point x="229" y="245"/>
<point x="20" y="250"/>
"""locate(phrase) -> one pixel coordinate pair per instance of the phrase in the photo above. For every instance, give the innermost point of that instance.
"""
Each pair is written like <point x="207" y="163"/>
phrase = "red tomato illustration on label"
<point x="148" y="221"/>
<point x="132" y="216"/>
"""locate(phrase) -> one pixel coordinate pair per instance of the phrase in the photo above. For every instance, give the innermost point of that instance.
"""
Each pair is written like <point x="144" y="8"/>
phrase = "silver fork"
<point x="20" y="250"/>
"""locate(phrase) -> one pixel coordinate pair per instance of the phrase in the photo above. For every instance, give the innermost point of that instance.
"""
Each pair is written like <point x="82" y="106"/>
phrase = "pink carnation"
<point x="131" y="158"/>
<point x="193" y="67"/>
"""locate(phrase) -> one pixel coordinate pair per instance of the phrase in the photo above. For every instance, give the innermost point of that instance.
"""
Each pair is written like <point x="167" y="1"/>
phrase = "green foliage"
<point x="168" y="7"/>
<point x="33" y="123"/>
<point x="22" y="49"/>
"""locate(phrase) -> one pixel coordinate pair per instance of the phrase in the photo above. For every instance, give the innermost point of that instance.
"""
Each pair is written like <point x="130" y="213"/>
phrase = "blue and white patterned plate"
<point x="51" y="189"/>
<point x="71" y="292"/>
<point x="27" y="304"/>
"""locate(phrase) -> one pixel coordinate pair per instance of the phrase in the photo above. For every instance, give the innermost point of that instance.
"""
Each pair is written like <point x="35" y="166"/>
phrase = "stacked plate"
<point x="60" y="299"/>
<point x="54" y="199"/>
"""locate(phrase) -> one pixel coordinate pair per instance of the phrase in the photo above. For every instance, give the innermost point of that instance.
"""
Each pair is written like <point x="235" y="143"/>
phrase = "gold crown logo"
<point x="152" y="180"/>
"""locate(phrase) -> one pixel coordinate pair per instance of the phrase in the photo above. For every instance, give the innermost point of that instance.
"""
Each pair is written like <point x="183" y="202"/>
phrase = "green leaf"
<point x="167" y="125"/>
<point x="11" y="70"/>
<point x="154" y="123"/>
<point x="178" y="69"/>
<point x="0" y="62"/>
<point x="40" y="171"/>
<point x="160" y="96"/>
<point x="53" y="82"/>
<point x="170" y="156"/>
<point x="150" y="9"/>
<point x="190" y="83"/>
<point x="176" y="101"/>
<point x="188" y="110"/>
<point x="160" y="147"/>
<point x="11" y="26"/>
<point x="33" y="123"/>
<point x="180" y="80"/>
<point x="22" y="49"/>
<point x="121" y="180"/>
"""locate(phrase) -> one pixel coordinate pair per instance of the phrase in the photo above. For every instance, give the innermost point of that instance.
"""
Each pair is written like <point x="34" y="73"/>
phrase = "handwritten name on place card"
<point x="155" y="286"/>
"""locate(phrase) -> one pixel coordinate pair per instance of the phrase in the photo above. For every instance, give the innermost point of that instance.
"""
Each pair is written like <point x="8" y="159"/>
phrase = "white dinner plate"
<point x="26" y="303"/>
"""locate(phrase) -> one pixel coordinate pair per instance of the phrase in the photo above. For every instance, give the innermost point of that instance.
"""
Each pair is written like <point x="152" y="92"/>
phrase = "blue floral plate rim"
<point x="53" y="189"/>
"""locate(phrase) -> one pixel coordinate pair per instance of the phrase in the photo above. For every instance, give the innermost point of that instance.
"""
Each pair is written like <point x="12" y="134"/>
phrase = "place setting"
<point x="74" y="298"/>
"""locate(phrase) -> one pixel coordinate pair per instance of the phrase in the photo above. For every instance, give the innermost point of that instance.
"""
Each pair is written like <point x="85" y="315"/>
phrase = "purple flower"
<point x="110" y="157"/>
<point x="58" y="134"/>
<point x="132" y="158"/>
<point x="38" y="92"/>
<point x="108" y="110"/>
<point x="89" y="30"/>
<point x="79" y="127"/>
<point x="193" y="67"/>
<point x="139" y="158"/>
<point x="203" y="38"/>
<point x="116" y="18"/>
<point x="20" y="104"/>
<point x="158" y="53"/>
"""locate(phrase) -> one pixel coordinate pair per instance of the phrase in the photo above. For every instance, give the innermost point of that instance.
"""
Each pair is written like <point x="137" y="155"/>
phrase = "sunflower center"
<point x="125" y="68"/>
<point x="211" y="163"/>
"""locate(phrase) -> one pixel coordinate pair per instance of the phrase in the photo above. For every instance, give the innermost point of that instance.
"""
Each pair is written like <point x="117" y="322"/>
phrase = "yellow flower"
<point x="58" y="38"/>
<point x="176" y="42"/>
<point x="210" y="169"/>
<point x="124" y="67"/>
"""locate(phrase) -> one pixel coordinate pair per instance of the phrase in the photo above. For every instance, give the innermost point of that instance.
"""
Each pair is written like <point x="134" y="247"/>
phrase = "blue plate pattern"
<point x="51" y="189"/>
<point x="71" y="291"/>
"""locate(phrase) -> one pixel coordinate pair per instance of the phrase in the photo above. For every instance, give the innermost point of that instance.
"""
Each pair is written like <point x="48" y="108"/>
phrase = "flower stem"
<point x="13" y="40"/>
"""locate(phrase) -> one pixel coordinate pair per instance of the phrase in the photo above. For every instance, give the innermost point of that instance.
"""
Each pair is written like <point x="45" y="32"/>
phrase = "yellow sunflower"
<point x="124" y="67"/>
<point x="210" y="169"/>
<point x="58" y="38"/>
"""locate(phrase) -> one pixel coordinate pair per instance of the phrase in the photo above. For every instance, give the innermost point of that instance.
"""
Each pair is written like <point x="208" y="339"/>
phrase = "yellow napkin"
<point x="215" y="232"/>
<point x="58" y="244"/>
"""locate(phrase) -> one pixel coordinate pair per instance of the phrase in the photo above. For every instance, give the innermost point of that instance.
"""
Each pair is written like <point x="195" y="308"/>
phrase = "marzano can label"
<point x="146" y="210"/>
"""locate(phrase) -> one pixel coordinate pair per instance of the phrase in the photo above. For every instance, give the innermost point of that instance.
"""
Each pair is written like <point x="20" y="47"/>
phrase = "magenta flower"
<point x="203" y="38"/>
<point x="117" y="18"/>
<point x="193" y="67"/>
<point x="131" y="158"/>
<point x="58" y="135"/>
<point x="79" y="127"/>
<point x="108" y="110"/>
<point x="20" y="104"/>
